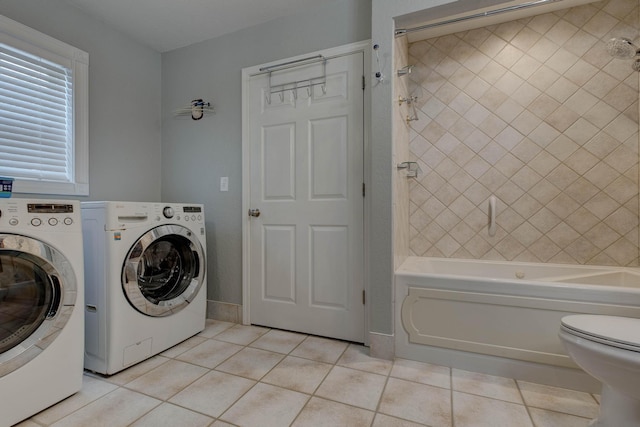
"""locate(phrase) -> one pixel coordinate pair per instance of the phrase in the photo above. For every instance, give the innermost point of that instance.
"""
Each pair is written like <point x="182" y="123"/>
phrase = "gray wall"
<point x="125" y="149"/>
<point x="124" y="99"/>
<point x="197" y="153"/>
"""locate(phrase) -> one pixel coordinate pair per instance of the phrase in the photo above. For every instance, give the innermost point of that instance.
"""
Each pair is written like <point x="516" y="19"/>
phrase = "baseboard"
<point x="556" y="376"/>
<point x="382" y="346"/>
<point x="227" y="312"/>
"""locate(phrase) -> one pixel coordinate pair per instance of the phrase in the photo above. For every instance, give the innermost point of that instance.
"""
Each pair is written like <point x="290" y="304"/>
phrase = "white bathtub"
<point x="503" y="317"/>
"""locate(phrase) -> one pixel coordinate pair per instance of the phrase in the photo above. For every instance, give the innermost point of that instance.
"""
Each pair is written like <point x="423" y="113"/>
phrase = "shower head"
<point x="622" y="48"/>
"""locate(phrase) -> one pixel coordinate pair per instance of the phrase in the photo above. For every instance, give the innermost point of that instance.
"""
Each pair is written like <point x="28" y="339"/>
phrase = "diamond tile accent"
<point x="536" y="113"/>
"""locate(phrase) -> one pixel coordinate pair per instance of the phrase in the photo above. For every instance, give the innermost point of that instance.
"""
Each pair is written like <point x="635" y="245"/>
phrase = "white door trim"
<point x="247" y="73"/>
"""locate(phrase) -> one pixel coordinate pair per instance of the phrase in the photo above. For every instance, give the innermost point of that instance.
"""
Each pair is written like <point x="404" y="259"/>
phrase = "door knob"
<point x="254" y="212"/>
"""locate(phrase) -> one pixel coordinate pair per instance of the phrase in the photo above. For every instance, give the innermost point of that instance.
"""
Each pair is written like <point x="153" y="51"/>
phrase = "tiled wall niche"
<point x="535" y="112"/>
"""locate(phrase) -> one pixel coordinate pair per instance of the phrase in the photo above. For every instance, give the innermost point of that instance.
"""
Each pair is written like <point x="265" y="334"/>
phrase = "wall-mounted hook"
<point x="405" y="70"/>
<point x="412" y="168"/>
<point x="196" y="109"/>
<point x="410" y="119"/>
<point x="294" y="86"/>
<point x="410" y="100"/>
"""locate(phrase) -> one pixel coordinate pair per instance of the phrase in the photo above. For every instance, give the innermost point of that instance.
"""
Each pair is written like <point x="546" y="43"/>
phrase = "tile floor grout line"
<point x="300" y="411"/>
<point x="82" y="407"/>
<point x="189" y="409"/>
<point x="554" y="410"/>
<point x="374" y="411"/>
<point x="557" y="412"/>
<point x="256" y="382"/>
<point x="453" y="412"/>
<point x="384" y="387"/>
<point x="488" y="397"/>
<point x="219" y="417"/>
<point x="259" y="381"/>
<point x="357" y="350"/>
<point x="313" y="394"/>
<point x="145" y="414"/>
<point x="209" y="370"/>
<point x="524" y="402"/>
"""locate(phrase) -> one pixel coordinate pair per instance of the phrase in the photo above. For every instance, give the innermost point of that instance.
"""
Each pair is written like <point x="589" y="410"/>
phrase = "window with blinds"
<point x="43" y="112"/>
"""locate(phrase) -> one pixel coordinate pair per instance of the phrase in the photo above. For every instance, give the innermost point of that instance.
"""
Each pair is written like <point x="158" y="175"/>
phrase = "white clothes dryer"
<point x="145" y="278"/>
<point x="41" y="305"/>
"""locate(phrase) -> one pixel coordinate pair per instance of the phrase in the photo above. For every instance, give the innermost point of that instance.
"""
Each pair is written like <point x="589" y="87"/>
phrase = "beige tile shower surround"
<point x="234" y="375"/>
<point x="538" y="114"/>
<point x="400" y="154"/>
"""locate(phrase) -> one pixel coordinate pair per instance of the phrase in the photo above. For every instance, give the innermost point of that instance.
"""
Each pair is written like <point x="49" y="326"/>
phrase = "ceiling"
<point x="165" y="25"/>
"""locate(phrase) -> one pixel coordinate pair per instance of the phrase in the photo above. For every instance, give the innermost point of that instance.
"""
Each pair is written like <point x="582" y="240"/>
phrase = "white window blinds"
<point x="36" y="117"/>
<point x="44" y="112"/>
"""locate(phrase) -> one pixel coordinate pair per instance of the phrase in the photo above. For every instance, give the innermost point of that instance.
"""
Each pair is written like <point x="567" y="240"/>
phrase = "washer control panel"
<point x="191" y="213"/>
<point x="182" y="214"/>
<point x="48" y="216"/>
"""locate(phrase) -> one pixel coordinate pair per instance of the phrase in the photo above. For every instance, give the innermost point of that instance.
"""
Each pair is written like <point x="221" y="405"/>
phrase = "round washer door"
<point x="163" y="270"/>
<point x="38" y="291"/>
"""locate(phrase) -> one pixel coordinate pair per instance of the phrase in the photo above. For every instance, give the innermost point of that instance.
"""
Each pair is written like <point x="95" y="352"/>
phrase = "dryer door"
<point x="163" y="270"/>
<point x="37" y="293"/>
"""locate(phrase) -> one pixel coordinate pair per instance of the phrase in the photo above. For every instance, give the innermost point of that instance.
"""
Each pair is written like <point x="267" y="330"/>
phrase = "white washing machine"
<point x="145" y="280"/>
<point x="41" y="305"/>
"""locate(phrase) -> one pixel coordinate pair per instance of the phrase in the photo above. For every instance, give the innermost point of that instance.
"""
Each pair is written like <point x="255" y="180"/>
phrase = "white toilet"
<point x="608" y="348"/>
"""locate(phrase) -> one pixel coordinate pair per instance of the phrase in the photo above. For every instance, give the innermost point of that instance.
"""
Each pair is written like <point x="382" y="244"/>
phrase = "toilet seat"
<point x="620" y="332"/>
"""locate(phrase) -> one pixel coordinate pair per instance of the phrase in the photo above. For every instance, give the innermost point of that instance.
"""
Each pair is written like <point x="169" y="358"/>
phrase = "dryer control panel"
<point x="39" y="215"/>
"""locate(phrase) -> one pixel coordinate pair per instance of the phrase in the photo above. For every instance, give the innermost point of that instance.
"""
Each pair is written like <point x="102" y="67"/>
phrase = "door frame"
<point x="247" y="74"/>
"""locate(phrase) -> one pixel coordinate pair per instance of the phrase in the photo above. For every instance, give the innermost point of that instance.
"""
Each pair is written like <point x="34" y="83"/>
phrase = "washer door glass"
<point x="163" y="271"/>
<point x="33" y="280"/>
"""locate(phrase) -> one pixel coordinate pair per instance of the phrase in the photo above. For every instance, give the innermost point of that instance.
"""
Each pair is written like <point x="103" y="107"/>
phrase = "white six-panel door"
<point x="306" y="249"/>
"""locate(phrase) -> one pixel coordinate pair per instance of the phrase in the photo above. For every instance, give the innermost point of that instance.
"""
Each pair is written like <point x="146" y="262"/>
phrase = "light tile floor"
<point x="249" y="376"/>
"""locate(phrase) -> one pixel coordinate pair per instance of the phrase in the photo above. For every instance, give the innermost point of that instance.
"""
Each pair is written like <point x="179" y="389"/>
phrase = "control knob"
<point x="168" y="212"/>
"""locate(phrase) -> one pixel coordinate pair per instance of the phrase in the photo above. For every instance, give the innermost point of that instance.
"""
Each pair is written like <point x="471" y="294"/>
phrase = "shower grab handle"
<point x="492" y="216"/>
